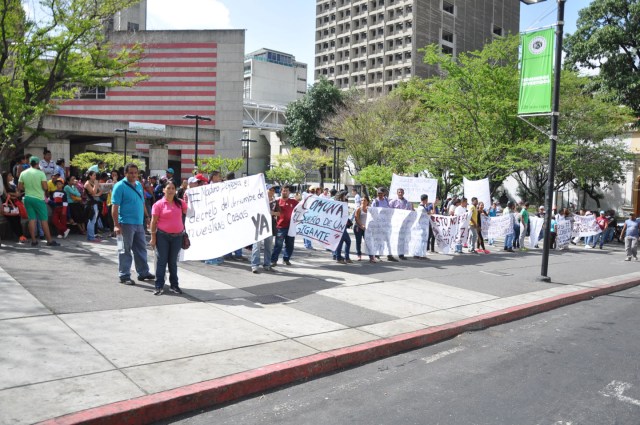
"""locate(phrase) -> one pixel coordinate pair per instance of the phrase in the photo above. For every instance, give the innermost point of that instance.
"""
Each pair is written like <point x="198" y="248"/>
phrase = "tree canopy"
<point x="607" y="39"/>
<point x="52" y="58"/>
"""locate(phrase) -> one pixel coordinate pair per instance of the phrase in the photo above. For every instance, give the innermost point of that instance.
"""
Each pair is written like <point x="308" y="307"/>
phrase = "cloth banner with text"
<point x="497" y="227"/>
<point x="225" y="216"/>
<point x="414" y="187"/>
<point x="536" y="224"/>
<point x="450" y="230"/>
<point x="479" y="189"/>
<point x="320" y="219"/>
<point x="393" y="231"/>
<point x="585" y="226"/>
<point x="563" y="234"/>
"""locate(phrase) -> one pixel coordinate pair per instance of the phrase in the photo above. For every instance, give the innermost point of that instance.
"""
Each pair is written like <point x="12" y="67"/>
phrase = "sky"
<point x="289" y="25"/>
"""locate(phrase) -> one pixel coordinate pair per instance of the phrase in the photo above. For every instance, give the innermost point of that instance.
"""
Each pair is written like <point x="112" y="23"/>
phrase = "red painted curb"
<point x="163" y="405"/>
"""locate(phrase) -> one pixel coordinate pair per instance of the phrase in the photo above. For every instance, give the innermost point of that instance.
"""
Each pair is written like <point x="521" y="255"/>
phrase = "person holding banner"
<point x="473" y="225"/>
<point x="360" y="226"/>
<point x="282" y="228"/>
<point x="461" y="208"/>
<point x="481" y="212"/>
<point x="508" y="240"/>
<point x="430" y="209"/>
<point x="346" y="239"/>
<point x="268" y="242"/>
<point x="630" y="234"/>
<point x="524" y="222"/>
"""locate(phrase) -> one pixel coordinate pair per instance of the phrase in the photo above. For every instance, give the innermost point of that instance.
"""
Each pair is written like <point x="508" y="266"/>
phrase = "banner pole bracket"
<point x="540" y="129"/>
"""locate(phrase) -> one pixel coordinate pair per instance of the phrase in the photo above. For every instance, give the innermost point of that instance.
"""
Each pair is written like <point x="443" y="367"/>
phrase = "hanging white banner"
<point x="320" y="219"/>
<point x="478" y="189"/>
<point x="223" y="217"/>
<point x="392" y="231"/>
<point x="585" y="226"/>
<point x="450" y="230"/>
<point x="536" y="224"/>
<point x="413" y="187"/>
<point x="563" y="234"/>
<point x="497" y="227"/>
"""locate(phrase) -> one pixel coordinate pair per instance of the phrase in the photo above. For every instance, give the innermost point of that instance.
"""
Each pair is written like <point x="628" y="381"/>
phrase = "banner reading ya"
<point x="223" y="217"/>
<point x="320" y="219"/>
<point x="414" y="187"/>
<point x="392" y="231"/>
<point x="536" y="70"/>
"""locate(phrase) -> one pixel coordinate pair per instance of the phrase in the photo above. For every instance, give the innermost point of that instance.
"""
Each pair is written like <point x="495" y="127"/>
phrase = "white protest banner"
<point x="105" y="188"/>
<point x="392" y="231"/>
<point x="585" y="226"/>
<point x="222" y="217"/>
<point x="450" y="230"/>
<point x="536" y="224"/>
<point x="563" y="234"/>
<point x="497" y="227"/>
<point x="478" y="189"/>
<point x="413" y="187"/>
<point x="320" y="219"/>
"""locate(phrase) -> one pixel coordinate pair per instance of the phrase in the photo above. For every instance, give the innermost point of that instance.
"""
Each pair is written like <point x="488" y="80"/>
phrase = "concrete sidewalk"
<point x="74" y="339"/>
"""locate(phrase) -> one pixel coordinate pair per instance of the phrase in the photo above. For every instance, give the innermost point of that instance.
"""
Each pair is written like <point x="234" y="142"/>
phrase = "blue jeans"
<point x="359" y="236"/>
<point x="168" y="247"/>
<point x="346" y="241"/>
<point x="588" y="240"/>
<point x="91" y="225"/>
<point x="307" y="243"/>
<point x="515" y="242"/>
<point x="287" y="241"/>
<point x="255" y="253"/>
<point x="508" y="241"/>
<point x="608" y="234"/>
<point x="134" y="240"/>
<point x="599" y="238"/>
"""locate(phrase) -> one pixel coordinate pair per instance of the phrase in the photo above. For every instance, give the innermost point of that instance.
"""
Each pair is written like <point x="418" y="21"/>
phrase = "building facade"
<point x="374" y="44"/>
<point x="272" y="80"/>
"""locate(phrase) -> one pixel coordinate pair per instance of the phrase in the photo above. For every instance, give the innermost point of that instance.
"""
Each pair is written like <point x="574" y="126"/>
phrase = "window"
<point x="447" y="50"/>
<point x="448" y="7"/>
<point x="497" y="30"/>
<point x="132" y="27"/>
<point x="247" y="89"/>
<point x="447" y="36"/>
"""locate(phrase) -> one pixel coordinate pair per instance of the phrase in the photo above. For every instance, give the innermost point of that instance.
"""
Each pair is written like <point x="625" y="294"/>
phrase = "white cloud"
<point x="187" y="15"/>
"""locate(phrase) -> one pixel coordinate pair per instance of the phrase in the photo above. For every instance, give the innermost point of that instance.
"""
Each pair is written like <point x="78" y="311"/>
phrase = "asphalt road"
<point x="576" y="365"/>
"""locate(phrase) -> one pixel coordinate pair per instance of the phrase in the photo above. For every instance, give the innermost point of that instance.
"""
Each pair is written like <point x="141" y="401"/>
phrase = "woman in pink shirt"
<point x="166" y="236"/>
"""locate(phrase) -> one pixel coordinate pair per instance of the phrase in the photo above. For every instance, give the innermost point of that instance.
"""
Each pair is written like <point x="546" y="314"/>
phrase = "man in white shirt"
<point x="460" y="210"/>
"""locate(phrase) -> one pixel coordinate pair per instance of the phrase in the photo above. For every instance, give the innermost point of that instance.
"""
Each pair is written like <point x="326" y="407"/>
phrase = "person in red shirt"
<point x="603" y="223"/>
<point x="282" y="229"/>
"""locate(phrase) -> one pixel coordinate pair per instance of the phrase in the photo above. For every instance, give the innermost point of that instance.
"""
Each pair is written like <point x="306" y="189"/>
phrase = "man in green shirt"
<point x="34" y="184"/>
<point x="524" y="224"/>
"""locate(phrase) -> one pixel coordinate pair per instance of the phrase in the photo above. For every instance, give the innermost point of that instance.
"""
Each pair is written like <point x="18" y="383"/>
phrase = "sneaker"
<point x="628" y="259"/>
<point x="267" y="268"/>
<point x="59" y="236"/>
<point x="402" y="257"/>
<point x="241" y="258"/>
<point x="348" y="261"/>
<point x="341" y="262"/>
<point x="392" y="258"/>
<point x="176" y="290"/>
<point x="66" y="233"/>
<point x="127" y="281"/>
<point x="587" y="247"/>
<point x="147" y="277"/>
<point x="22" y="239"/>
<point x="600" y="246"/>
<point x="635" y="258"/>
<point x="158" y="292"/>
<point x="255" y="270"/>
<point x="53" y="243"/>
<point x="359" y="257"/>
<point x="274" y="263"/>
<point x="286" y="262"/>
<point x="472" y="251"/>
<point x="94" y="240"/>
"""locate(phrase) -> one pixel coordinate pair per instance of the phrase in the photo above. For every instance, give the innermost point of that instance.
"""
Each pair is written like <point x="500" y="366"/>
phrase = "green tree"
<point x="607" y="39"/>
<point x="374" y="176"/>
<point x="112" y="161"/>
<point x="285" y="176"/>
<point x="305" y="160"/>
<point x="51" y="59"/>
<point x="223" y="165"/>
<point x="306" y="115"/>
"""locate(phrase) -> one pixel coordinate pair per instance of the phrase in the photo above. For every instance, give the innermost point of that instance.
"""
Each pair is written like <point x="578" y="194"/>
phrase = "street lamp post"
<point x="125" y="131"/>
<point x="335" y="150"/>
<point x="198" y="118"/>
<point x="553" y="138"/>
<point x="245" y="145"/>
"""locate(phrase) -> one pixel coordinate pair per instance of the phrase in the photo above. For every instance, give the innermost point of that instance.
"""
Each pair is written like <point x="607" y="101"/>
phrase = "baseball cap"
<point x="192" y="180"/>
<point x="201" y="178"/>
<point x="601" y="212"/>
<point x="269" y="186"/>
<point x="170" y="170"/>
<point x="34" y="160"/>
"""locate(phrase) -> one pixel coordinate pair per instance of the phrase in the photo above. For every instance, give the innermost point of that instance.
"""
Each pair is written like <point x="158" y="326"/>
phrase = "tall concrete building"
<point x="373" y="44"/>
<point x="133" y="18"/>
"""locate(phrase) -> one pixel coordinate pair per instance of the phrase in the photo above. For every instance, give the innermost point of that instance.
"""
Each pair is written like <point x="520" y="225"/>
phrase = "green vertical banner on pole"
<point x="536" y="72"/>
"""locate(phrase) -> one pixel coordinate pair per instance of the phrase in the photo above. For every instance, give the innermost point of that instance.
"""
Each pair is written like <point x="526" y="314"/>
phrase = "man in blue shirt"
<point x="630" y="233"/>
<point x="128" y="214"/>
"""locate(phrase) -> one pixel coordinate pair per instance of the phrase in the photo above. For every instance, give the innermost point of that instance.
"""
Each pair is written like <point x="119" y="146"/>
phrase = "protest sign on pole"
<point x="414" y="187"/>
<point x="222" y="217"/>
<point x="478" y="189"/>
<point x="392" y="231"/>
<point x="497" y="227"/>
<point x="535" y="228"/>
<point x="585" y="226"/>
<point x="320" y="219"/>
<point x="536" y="72"/>
<point x="563" y="234"/>
<point x="450" y="230"/>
